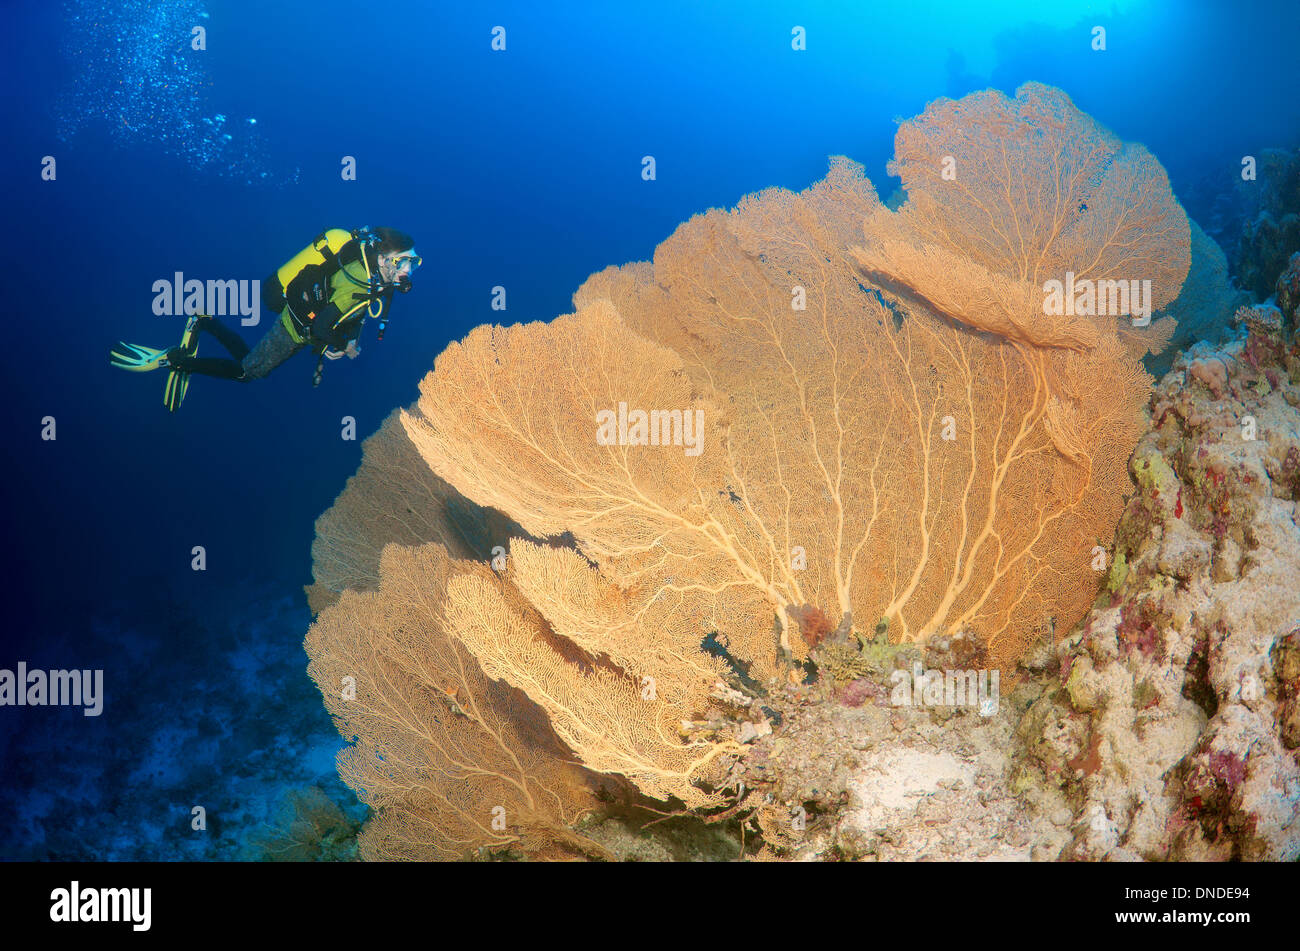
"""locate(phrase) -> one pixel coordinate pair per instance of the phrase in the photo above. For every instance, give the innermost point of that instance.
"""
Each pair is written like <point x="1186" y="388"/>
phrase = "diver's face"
<point x="398" y="267"/>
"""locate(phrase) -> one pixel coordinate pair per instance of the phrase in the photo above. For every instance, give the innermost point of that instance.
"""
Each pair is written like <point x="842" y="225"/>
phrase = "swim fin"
<point x="178" y="381"/>
<point x="133" y="357"/>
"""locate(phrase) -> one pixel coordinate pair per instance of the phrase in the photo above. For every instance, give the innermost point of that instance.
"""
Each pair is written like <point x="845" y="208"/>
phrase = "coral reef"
<point x="308" y="827"/>
<point x="1171" y="731"/>
<point x="1167" y="727"/>
<point x="1287" y="291"/>
<point x="1206" y="304"/>
<point x="393" y="497"/>
<point x="1271" y="232"/>
<point x="219" y="716"/>
<point x="450" y="761"/>
<point x="786" y="420"/>
<point x="854" y="775"/>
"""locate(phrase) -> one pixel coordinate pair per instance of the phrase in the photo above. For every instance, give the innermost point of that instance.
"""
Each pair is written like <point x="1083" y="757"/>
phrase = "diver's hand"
<point x="353" y="351"/>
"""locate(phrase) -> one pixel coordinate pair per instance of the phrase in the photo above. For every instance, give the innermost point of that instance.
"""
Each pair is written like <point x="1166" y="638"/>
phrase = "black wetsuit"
<point x="301" y="298"/>
<point x="274" y="348"/>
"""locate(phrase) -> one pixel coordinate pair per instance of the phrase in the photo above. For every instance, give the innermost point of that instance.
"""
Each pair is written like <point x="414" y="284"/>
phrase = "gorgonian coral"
<point x="807" y="403"/>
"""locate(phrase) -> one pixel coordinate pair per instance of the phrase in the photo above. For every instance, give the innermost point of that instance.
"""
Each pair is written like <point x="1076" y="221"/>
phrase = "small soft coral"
<point x="1228" y="768"/>
<point x="860" y="691"/>
<point x="1138" y="631"/>
<point x="814" y="626"/>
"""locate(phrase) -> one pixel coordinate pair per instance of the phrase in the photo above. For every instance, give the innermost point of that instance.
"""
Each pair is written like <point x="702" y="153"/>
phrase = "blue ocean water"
<point x="519" y="168"/>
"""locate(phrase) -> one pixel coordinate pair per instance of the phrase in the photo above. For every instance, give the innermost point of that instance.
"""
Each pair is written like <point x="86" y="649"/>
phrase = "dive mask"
<point x="407" y="261"/>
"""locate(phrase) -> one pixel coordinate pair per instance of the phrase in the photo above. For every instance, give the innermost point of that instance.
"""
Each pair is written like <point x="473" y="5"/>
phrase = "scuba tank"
<point x="302" y="289"/>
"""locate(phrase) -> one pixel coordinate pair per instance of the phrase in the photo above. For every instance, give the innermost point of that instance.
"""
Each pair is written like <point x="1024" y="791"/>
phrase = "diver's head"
<point x="397" y="257"/>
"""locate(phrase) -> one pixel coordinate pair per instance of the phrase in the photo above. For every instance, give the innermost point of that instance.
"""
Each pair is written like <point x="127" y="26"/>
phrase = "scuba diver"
<point x="322" y="296"/>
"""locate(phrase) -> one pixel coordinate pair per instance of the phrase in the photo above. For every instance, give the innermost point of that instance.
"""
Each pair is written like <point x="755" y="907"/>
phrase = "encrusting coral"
<point x="1173" y="731"/>
<point x="808" y="403"/>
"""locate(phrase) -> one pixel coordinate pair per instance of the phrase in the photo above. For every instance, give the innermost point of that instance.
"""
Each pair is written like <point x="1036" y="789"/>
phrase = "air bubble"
<point x="147" y="88"/>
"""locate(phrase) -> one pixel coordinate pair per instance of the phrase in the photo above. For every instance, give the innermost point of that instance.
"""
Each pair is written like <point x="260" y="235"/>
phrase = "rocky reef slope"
<point x="1166" y="726"/>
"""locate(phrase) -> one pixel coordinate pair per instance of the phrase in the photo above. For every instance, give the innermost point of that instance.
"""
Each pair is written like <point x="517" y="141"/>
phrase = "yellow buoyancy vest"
<point x="347" y="283"/>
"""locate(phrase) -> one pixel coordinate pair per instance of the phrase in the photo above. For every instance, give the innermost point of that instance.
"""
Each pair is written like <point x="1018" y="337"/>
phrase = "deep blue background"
<point x="519" y="168"/>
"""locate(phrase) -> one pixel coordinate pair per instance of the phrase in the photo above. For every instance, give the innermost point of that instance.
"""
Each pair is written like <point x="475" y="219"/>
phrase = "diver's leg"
<point x="226" y="337"/>
<point x="272" y="350"/>
<point x="207" y="366"/>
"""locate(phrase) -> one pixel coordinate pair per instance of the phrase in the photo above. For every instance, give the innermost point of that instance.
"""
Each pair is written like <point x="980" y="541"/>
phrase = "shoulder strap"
<point x="322" y="246"/>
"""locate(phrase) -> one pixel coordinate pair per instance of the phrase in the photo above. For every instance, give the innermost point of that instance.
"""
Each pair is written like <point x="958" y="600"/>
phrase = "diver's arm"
<point x="337" y="338"/>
